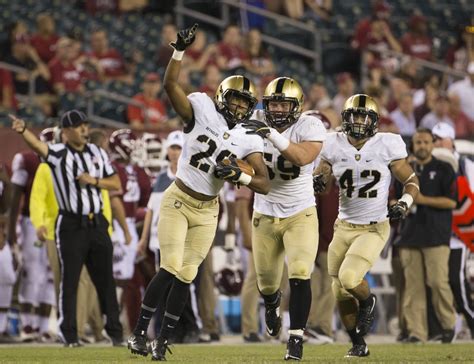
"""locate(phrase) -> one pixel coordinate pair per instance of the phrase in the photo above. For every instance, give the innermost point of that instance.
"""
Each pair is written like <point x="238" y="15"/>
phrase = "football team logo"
<point x="226" y="135"/>
<point x="357" y="157"/>
<point x="256" y="222"/>
<point x="178" y="204"/>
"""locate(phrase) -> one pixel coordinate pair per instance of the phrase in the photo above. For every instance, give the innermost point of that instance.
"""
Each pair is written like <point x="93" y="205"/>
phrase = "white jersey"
<point x="210" y="141"/>
<point x="363" y="175"/>
<point x="291" y="186"/>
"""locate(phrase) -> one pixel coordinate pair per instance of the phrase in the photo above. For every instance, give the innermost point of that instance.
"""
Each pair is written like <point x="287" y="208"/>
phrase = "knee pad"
<point x="267" y="284"/>
<point x="299" y="269"/>
<point x="349" y="279"/>
<point x="172" y="263"/>
<point x="187" y="273"/>
<point x="339" y="292"/>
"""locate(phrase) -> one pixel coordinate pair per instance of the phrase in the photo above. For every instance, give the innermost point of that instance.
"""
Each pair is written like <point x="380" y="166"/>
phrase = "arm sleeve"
<point x="108" y="169"/>
<point x="448" y="183"/>
<point x="38" y="201"/>
<point x="145" y="188"/>
<point x="395" y="148"/>
<point x="311" y="130"/>
<point x="55" y="154"/>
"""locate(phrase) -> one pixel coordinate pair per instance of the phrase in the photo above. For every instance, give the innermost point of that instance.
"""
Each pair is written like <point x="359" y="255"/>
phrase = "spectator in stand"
<point x="110" y="59"/>
<point x="7" y="91"/>
<point x="65" y="75"/>
<point x="168" y="35"/>
<point x="199" y="54"/>
<point x="45" y="38"/>
<point x="465" y="90"/>
<point x="12" y="30"/>
<point x="318" y="99"/>
<point x="24" y="55"/>
<point x="416" y="42"/>
<point x="292" y="8"/>
<point x="319" y="10"/>
<point x="398" y="87"/>
<point x="230" y="54"/>
<point x="380" y="11"/>
<point x="459" y="55"/>
<point x="154" y="116"/>
<point x="345" y="87"/>
<point x="380" y="96"/>
<point x="440" y="113"/>
<point x="89" y="67"/>
<point x="212" y="79"/>
<point x="464" y="127"/>
<point x="403" y="116"/>
<point x="258" y="62"/>
<point x="431" y="93"/>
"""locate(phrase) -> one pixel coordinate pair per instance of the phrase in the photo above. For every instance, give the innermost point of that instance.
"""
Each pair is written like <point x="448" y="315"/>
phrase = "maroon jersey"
<point x="136" y="187"/>
<point x="24" y="167"/>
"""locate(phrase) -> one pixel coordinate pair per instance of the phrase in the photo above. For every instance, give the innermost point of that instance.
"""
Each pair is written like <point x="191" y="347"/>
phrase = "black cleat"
<point x="366" y="317"/>
<point x="294" y="348"/>
<point x="137" y="344"/>
<point x="158" y="349"/>
<point x="358" y="351"/>
<point x="273" y="318"/>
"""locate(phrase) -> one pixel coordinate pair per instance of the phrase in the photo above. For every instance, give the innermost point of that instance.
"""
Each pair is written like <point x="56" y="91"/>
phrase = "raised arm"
<point x="33" y="142"/>
<point x="175" y="92"/>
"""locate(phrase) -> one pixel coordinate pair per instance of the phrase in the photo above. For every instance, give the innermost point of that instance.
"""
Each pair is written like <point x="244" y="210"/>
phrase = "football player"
<point x="189" y="209"/>
<point x="362" y="162"/>
<point x="136" y="191"/>
<point x="36" y="290"/>
<point x="285" y="221"/>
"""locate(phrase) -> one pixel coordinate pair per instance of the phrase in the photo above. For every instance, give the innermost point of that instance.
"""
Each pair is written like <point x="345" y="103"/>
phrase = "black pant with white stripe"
<point x="83" y="240"/>
<point x="460" y="285"/>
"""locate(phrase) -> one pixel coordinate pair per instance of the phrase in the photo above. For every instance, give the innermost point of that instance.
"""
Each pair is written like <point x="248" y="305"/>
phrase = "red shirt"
<point x="46" y="47"/>
<point x="112" y="63"/>
<point x="417" y="46"/>
<point x="69" y="75"/>
<point x="234" y="54"/>
<point x="361" y="33"/>
<point x="136" y="187"/>
<point x="154" y="108"/>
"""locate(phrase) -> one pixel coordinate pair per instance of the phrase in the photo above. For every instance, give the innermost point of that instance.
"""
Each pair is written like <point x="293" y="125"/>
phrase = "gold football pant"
<point x="352" y="252"/>
<point x="272" y="238"/>
<point x="186" y="230"/>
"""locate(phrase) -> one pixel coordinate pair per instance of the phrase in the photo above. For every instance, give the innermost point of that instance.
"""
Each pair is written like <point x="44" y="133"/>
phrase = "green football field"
<point x="249" y="353"/>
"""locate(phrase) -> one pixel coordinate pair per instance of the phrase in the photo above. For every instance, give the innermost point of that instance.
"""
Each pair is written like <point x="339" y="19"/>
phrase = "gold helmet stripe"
<point x="246" y="84"/>
<point x="279" y="85"/>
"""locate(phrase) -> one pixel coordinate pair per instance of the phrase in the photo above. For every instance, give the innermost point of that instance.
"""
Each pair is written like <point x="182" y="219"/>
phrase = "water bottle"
<point x="13" y="323"/>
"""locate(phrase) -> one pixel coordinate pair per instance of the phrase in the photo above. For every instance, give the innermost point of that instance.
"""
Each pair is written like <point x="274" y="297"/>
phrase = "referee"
<point x="80" y="170"/>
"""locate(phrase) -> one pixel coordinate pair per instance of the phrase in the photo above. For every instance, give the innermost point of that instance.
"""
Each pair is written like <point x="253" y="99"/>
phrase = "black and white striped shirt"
<point x="66" y="164"/>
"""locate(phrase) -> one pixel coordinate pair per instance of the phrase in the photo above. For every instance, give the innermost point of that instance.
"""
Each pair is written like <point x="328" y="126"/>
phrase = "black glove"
<point x="257" y="128"/>
<point x="398" y="210"/>
<point x="228" y="170"/>
<point x="185" y="38"/>
<point x="318" y="183"/>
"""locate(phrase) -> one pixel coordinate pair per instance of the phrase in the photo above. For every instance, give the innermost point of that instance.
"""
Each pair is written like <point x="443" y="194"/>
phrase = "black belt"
<point x="85" y="220"/>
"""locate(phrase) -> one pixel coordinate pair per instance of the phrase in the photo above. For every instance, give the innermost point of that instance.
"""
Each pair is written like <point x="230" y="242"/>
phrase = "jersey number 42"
<point x="346" y="182"/>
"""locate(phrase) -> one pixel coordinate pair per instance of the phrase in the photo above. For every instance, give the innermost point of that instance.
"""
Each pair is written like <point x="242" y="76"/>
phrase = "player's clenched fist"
<point x="229" y="170"/>
<point x="18" y="124"/>
<point x="185" y="38"/>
